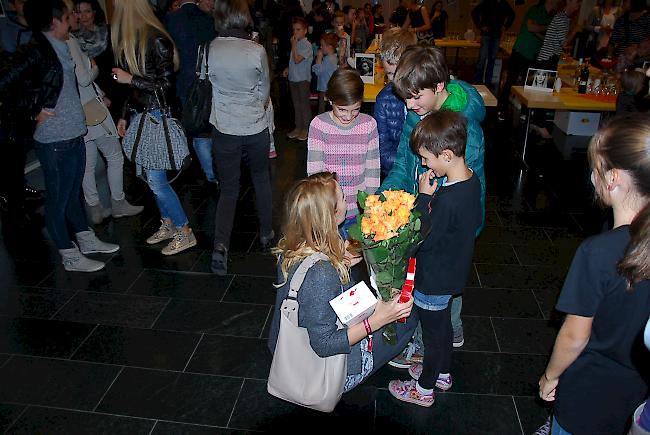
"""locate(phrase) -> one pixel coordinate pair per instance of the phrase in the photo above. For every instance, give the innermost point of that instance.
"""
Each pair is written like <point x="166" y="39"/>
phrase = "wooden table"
<point x="457" y="44"/>
<point x="370" y="92"/>
<point x="567" y="99"/>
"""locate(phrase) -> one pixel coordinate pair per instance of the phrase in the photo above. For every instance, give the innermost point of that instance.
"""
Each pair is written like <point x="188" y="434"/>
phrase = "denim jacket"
<point x="390" y="113"/>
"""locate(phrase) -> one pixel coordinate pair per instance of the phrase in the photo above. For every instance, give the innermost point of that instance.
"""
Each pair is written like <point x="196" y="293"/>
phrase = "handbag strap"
<point x="162" y="103"/>
<point x="138" y="136"/>
<point x="290" y="304"/>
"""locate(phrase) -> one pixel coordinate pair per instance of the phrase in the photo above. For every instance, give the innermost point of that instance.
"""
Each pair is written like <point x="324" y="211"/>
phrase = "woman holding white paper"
<point x="315" y="208"/>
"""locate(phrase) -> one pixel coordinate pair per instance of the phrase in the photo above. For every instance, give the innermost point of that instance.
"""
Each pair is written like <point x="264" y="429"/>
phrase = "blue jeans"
<point x="556" y="429"/>
<point x="168" y="203"/>
<point x="63" y="166"/>
<point x="203" y="148"/>
<point x="487" y="54"/>
<point x="345" y="226"/>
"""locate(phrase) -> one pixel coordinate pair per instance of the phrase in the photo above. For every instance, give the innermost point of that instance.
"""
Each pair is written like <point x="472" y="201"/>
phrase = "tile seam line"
<point x="52" y="317"/>
<point x="101" y="399"/>
<point x="83" y="342"/>
<point x="518" y="416"/>
<point x="13" y="423"/>
<point x="234" y="405"/>
<point x="198" y="343"/>
<point x="162" y="310"/>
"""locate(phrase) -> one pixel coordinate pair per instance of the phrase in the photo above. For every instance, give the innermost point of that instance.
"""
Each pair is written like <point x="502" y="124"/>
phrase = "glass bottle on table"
<point x="576" y="75"/>
<point x="584" y="79"/>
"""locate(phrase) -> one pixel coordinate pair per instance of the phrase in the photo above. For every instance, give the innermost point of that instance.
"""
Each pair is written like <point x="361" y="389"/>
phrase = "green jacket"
<point x="463" y="98"/>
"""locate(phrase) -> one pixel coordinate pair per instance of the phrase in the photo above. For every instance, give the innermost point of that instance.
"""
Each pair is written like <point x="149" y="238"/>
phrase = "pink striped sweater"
<point x="350" y="151"/>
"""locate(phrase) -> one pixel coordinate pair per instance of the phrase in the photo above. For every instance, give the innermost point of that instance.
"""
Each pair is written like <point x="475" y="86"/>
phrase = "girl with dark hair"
<point x="598" y="371"/>
<point x="418" y="20"/>
<point x="439" y="21"/>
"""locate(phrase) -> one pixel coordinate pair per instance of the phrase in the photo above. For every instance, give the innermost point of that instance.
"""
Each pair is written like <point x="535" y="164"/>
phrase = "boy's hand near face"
<point x="426" y="187"/>
<point x="319" y="55"/>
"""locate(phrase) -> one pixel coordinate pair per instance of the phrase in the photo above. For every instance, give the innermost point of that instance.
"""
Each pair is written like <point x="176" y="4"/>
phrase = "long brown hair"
<point x="310" y="225"/>
<point x="624" y="144"/>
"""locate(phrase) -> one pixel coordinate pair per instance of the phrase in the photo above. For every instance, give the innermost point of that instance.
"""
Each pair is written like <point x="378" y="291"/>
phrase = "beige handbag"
<point x="298" y="374"/>
<point x="95" y="110"/>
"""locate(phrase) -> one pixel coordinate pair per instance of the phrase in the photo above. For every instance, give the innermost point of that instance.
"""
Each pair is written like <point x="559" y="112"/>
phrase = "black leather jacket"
<point x="32" y="80"/>
<point x="159" y="74"/>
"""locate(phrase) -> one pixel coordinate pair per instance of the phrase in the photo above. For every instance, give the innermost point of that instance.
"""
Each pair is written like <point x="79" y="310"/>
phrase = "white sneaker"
<point x="90" y="244"/>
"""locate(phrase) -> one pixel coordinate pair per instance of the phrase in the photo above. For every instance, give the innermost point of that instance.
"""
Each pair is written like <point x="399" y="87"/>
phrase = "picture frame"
<point x="365" y="64"/>
<point x="541" y="80"/>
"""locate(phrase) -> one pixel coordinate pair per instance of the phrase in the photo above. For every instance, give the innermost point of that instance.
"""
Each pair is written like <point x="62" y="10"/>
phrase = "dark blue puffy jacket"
<point x="390" y="113"/>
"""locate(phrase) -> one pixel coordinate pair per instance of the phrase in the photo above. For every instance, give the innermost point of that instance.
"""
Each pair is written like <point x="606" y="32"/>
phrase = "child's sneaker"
<point x="443" y="382"/>
<point x="272" y="154"/>
<point x="293" y="133"/>
<point x="410" y="355"/>
<point x="407" y="391"/>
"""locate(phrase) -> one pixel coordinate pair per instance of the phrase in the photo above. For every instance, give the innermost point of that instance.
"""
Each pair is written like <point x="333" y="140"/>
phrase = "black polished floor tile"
<point x="478" y="334"/>
<point x="138" y="347"/>
<point x="492" y="218"/>
<point x="188" y="285"/>
<point x="40" y="337"/>
<point x="547" y="218"/>
<point x="253" y="264"/>
<point x="462" y="414"/>
<point x="34" y="302"/>
<point x="512" y="235"/>
<point x="544" y="253"/>
<point x="500" y="302"/>
<point x="520" y="277"/>
<point x="251" y="289"/>
<point x="258" y="410"/>
<point x="8" y="414"/>
<point x="169" y="428"/>
<point x="533" y="413"/>
<point x="60" y="421"/>
<point x="150" y="257"/>
<point x="496" y="373"/>
<point x="493" y="202"/>
<point x="494" y="253"/>
<point x="244" y="320"/>
<point x="29" y="273"/>
<point x="547" y="298"/>
<point x="215" y="356"/>
<point x="50" y="382"/>
<point x="111" y="279"/>
<point x="130" y="231"/>
<point x="524" y="335"/>
<point x="128" y="310"/>
<point x="181" y="397"/>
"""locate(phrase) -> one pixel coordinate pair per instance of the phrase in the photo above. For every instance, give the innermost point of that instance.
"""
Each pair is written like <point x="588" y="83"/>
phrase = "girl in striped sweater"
<point x="346" y="142"/>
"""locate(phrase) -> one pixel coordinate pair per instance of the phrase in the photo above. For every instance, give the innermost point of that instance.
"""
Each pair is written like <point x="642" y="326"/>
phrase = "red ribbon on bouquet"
<point x="407" y="288"/>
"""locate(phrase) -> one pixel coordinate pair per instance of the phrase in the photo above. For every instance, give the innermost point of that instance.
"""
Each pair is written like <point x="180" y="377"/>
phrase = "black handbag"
<point x="198" y="104"/>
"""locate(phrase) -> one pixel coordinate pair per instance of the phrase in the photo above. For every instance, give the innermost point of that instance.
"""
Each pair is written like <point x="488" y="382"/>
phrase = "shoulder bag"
<point x="95" y="110"/>
<point x="298" y="374"/>
<point x="157" y="141"/>
<point x="197" y="107"/>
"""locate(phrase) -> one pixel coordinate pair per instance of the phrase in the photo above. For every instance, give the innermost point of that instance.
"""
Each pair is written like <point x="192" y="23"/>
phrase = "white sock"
<point x="424" y="391"/>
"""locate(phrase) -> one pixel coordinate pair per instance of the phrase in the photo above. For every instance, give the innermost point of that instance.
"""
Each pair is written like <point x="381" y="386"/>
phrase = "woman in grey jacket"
<point x="239" y="73"/>
<point x="315" y="209"/>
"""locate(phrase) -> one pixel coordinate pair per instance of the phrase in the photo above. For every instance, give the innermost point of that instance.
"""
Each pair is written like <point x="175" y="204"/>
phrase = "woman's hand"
<point x="547" y="388"/>
<point x="122" y="76"/>
<point x="388" y="312"/>
<point x="106" y="101"/>
<point x="121" y="127"/>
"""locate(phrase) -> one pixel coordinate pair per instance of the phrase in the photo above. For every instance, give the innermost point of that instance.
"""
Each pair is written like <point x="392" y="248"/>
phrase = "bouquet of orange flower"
<point x="388" y="230"/>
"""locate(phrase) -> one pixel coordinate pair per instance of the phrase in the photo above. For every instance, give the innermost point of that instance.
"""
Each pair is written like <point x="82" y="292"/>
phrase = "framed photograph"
<point x="542" y="80"/>
<point x="365" y="64"/>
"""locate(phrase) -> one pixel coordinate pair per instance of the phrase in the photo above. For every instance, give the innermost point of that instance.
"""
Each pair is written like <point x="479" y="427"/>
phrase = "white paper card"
<point x="354" y="305"/>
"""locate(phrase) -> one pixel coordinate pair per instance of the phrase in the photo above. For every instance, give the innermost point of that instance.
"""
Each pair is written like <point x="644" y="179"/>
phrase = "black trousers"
<point x="228" y="151"/>
<point x="12" y="177"/>
<point x="517" y="68"/>
<point x="437" y="337"/>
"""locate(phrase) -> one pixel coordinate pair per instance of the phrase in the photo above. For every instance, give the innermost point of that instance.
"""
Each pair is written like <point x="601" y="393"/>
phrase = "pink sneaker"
<point x="407" y="391"/>
<point x="443" y="382"/>
<point x="272" y="154"/>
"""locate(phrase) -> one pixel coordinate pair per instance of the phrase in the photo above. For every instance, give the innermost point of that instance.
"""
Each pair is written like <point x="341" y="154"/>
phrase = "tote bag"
<point x="298" y="374"/>
<point x="157" y="143"/>
<point x="197" y="106"/>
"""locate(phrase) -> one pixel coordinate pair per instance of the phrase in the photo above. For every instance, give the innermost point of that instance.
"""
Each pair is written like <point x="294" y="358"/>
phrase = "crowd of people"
<point x="71" y="85"/>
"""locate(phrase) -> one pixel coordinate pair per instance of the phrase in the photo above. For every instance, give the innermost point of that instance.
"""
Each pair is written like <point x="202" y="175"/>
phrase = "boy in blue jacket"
<point x="422" y="79"/>
<point x="390" y="110"/>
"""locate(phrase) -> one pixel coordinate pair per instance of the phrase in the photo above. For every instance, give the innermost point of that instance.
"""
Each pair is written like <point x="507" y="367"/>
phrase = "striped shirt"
<point x="628" y="32"/>
<point x="350" y="151"/>
<point x="555" y="36"/>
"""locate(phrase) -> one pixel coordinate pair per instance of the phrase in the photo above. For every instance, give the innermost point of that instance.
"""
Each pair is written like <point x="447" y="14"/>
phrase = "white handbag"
<point x="298" y="374"/>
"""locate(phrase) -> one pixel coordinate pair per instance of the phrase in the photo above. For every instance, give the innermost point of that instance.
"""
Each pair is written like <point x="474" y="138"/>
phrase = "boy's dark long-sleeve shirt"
<point x="449" y="221"/>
